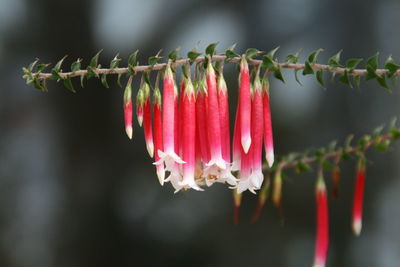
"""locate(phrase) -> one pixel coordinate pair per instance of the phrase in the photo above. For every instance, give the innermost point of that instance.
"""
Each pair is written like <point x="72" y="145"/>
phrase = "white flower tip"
<point x="161" y="174"/>
<point x="246" y="143"/>
<point x="140" y="120"/>
<point x="357" y="225"/>
<point x="150" y="149"/>
<point x="129" y="131"/>
<point x="190" y="184"/>
<point x="269" y="156"/>
<point x="319" y="265"/>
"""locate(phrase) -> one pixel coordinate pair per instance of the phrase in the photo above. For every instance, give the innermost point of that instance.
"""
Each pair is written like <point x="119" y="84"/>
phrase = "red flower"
<point x="359" y="196"/>
<point x="322" y="239"/>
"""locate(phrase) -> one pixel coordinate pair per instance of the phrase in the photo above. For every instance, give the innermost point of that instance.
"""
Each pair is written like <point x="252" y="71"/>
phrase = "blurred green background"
<point x="75" y="191"/>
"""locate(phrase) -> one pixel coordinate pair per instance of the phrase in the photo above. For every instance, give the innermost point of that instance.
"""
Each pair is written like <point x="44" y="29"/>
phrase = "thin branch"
<point x="334" y="154"/>
<point x="355" y="72"/>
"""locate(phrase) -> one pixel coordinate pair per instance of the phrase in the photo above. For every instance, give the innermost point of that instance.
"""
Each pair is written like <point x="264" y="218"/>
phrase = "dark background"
<point x="74" y="191"/>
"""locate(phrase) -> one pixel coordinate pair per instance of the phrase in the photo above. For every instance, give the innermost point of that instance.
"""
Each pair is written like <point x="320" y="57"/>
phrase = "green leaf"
<point x="327" y="165"/>
<point x="296" y="76"/>
<point x="95" y="60"/>
<point x="91" y="73"/>
<point x="119" y="80"/>
<point x="332" y="146"/>
<point x="57" y="69"/>
<point x="391" y="66"/>
<point x="210" y="50"/>
<point x="357" y="80"/>
<point x="382" y="82"/>
<point x="352" y="63"/>
<point x="371" y="66"/>
<point x="82" y="78"/>
<point x="192" y="55"/>
<point x="278" y="75"/>
<point x="377" y="131"/>
<point x="347" y="142"/>
<point x="251" y="53"/>
<point x="154" y="59"/>
<point x="292" y="59"/>
<point x="76" y="65"/>
<point x="229" y="55"/>
<point x="37" y="84"/>
<point x="334" y="61"/>
<point x="32" y="65"/>
<point x="302" y="167"/>
<point x="68" y="84"/>
<point x="320" y="77"/>
<point x="115" y="62"/>
<point x="104" y="80"/>
<point x="395" y="133"/>
<point x="383" y="146"/>
<point x="39" y="68"/>
<point x="363" y="141"/>
<point x="267" y="62"/>
<point x="173" y="55"/>
<point x="132" y="60"/>
<point x="271" y="54"/>
<point x="345" y="79"/>
<point x="307" y="68"/>
<point x="312" y="58"/>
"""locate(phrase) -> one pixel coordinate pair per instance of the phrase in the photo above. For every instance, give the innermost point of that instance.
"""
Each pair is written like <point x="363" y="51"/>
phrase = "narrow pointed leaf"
<point x="68" y="84"/>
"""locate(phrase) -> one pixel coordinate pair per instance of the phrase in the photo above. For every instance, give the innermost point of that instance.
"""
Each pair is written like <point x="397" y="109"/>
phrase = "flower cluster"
<point x="191" y="144"/>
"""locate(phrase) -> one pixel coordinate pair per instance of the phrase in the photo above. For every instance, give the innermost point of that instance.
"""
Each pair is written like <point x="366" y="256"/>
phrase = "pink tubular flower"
<point x="216" y="163"/>
<point x="236" y="145"/>
<point x="322" y="239"/>
<point x="245" y="105"/>
<point x="189" y="136"/>
<point x="223" y="103"/>
<point x="148" y="131"/>
<point x="158" y="143"/>
<point x="359" y="196"/>
<point x="257" y="131"/>
<point x="201" y="119"/>
<point x="246" y="163"/>
<point x="168" y="155"/>
<point x="128" y="109"/>
<point x="268" y="138"/>
<point x="139" y="106"/>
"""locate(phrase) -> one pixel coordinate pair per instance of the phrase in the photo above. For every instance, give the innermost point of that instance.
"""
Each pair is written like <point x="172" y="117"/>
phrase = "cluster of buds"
<point x="191" y="145"/>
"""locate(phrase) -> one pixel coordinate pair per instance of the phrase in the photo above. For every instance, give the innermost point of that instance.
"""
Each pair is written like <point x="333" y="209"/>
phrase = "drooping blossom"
<point x="216" y="163"/>
<point x="139" y="105"/>
<point x="189" y="136"/>
<point x="358" y="196"/>
<point x="168" y="155"/>
<point x="158" y="142"/>
<point x="223" y="103"/>
<point x="268" y="137"/>
<point x="257" y="131"/>
<point x="148" y="131"/>
<point x="322" y="238"/>
<point x="245" y="105"/>
<point x="128" y="109"/>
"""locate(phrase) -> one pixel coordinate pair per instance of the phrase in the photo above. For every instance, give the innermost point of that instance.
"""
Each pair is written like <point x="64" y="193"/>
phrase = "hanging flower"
<point x="322" y="239"/>
<point x="148" y="131"/>
<point x="168" y="155"/>
<point x="139" y="105"/>
<point x="158" y="142"/>
<point x="128" y="108"/>
<point x="268" y="138"/>
<point x="245" y="105"/>
<point x="359" y="196"/>
<point x="216" y="163"/>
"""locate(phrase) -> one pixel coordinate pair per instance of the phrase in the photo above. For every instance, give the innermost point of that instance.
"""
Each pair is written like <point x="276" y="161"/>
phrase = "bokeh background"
<point x="74" y="191"/>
